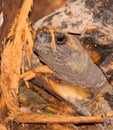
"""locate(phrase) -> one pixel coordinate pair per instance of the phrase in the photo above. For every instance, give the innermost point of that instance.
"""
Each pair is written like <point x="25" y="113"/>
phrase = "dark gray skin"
<point x="70" y="62"/>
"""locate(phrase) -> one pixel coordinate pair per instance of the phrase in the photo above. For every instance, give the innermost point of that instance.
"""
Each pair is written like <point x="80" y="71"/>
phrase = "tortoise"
<point x="93" y="21"/>
<point x="84" y="50"/>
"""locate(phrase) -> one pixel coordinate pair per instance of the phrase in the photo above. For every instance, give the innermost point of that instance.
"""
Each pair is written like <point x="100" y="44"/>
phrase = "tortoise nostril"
<point x="60" y="38"/>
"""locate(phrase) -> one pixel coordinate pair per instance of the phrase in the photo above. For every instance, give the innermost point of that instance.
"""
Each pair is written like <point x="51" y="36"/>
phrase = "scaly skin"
<point x="70" y="62"/>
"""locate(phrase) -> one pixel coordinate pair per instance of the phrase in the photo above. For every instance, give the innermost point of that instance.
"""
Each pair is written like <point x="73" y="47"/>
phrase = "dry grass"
<point x="19" y="40"/>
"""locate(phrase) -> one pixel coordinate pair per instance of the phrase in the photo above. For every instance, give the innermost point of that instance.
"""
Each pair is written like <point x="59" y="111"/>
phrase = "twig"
<point x="39" y="118"/>
<point x="31" y="74"/>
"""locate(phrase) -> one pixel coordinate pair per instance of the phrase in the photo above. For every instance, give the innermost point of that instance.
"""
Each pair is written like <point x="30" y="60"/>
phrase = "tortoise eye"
<point x="60" y="38"/>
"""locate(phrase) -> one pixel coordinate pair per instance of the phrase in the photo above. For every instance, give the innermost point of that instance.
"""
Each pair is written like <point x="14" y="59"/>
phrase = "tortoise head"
<point x="70" y="61"/>
<point x="64" y="48"/>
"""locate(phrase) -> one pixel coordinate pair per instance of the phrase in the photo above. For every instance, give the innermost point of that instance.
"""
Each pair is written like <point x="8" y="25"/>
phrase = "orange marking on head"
<point x="90" y="27"/>
<point x="95" y="56"/>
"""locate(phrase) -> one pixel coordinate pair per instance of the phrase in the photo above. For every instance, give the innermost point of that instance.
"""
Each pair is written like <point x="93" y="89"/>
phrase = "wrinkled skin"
<point x="70" y="61"/>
